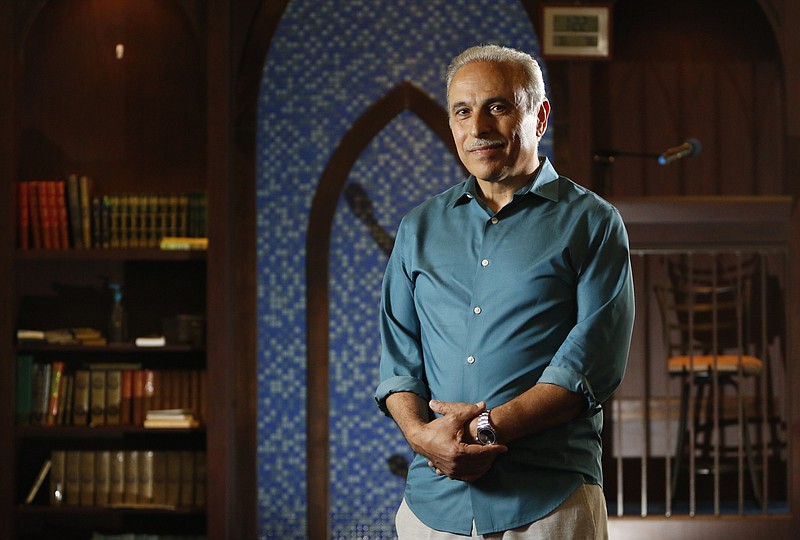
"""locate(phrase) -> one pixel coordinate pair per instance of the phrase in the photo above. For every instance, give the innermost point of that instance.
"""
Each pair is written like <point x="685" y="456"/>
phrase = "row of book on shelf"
<point x="98" y="393"/>
<point x="167" y="479"/>
<point x="67" y="214"/>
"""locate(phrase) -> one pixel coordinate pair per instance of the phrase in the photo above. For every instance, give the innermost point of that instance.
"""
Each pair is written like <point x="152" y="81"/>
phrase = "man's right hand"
<point x="442" y="440"/>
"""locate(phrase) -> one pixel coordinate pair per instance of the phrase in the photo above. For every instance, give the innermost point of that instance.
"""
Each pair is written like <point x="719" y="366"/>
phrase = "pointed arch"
<point x="405" y="96"/>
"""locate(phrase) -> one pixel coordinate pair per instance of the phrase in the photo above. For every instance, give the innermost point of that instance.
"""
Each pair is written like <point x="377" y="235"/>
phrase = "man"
<point x="506" y="318"/>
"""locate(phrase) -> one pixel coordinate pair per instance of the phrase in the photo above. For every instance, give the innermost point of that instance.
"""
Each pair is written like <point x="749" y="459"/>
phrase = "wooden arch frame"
<point x="404" y="96"/>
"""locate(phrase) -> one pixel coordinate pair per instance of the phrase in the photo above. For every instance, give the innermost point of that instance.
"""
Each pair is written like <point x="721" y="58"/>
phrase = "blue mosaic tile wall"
<point x="328" y="62"/>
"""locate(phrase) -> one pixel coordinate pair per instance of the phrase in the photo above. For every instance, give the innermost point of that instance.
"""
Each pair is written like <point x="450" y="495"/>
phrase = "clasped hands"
<point x="450" y="445"/>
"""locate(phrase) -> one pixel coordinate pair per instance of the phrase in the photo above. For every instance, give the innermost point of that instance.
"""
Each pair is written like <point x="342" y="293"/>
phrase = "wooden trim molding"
<point x="403" y="97"/>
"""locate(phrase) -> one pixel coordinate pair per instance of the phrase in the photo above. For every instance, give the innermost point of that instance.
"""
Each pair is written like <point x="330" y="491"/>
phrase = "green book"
<point x="24" y="388"/>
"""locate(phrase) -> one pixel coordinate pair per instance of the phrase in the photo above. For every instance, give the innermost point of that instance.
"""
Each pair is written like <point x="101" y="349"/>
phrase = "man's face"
<point x="495" y="135"/>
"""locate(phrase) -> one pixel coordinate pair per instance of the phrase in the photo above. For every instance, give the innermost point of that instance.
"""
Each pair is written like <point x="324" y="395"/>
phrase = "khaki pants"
<point x="583" y="516"/>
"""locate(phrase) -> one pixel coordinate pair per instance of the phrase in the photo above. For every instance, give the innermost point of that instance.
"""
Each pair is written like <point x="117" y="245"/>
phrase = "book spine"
<point x="187" y="478"/>
<point x="113" y="396"/>
<point x="146" y="476"/>
<point x="74" y="211"/>
<point x="56" y="387"/>
<point x="72" y="475"/>
<point x="57" y="477"/>
<point x="200" y="476"/>
<point x="126" y="397"/>
<point x="173" y="458"/>
<point x="115" y="221"/>
<point x="41" y="393"/>
<point x="102" y="477"/>
<point x="86" y="185"/>
<point x="97" y="397"/>
<point x="87" y="478"/>
<point x="65" y="411"/>
<point x="116" y="477"/>
<point x="61" y="213"/>
<point x="160" y="477"/>
<point x="80" y="411"/>
<point x="131" y="476"/>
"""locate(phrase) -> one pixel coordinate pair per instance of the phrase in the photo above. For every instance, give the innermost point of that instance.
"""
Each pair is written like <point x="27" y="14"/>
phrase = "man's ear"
<point x="542" y="114"/>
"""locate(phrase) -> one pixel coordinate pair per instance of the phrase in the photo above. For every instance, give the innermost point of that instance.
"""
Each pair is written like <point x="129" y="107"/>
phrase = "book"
<point x="87" y="479"/>
<point x="65" y="410"/>
<point x="24" y="389"/>
<point x="37" y="484"/>
<point x="85" y="185"/>
<point x="126" y="397"/>
<point x="62" y="219"/>
<point x="173" y="477"/>
<point x="200" y="475"/>
<point x="116" y="477"/>
<point x="183" y="243"/>
<point x="160" y="478"/>
<point x="113" y="396"/>
<point x="72" y="475"/>
<point x="55" y="400"/>
<point x="57" y="477"/>
<point x="187" y="478"/>
<point x="80" y="410"/>
<point x="102" y="478"/>
<point x="97" y="397"/>
<point x="41" y="393"/>
<point x="131" y="476"/>
<point x="145" y="476"/>
<point x="74" y="211"/>
<point x="150" y="341"/>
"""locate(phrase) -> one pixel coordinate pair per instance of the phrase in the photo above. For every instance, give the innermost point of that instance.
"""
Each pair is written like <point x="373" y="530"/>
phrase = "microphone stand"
<point x="605" y="160"/>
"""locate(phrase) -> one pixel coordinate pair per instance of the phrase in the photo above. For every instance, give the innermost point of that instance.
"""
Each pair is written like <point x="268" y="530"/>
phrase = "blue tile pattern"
<point x="328" y="62"/>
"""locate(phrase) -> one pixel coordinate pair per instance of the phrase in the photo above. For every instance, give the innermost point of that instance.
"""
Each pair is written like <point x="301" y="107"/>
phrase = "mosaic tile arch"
<point x="329" y="66"/>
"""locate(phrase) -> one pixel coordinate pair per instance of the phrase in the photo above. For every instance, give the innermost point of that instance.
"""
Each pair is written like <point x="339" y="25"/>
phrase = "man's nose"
<point x="481" y="124"/>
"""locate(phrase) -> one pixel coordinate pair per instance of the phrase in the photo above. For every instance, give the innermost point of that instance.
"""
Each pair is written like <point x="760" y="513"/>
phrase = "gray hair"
<point x="533" y="82"/>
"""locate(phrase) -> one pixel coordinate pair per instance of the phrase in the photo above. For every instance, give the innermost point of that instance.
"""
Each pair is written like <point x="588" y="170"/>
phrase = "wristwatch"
<point x="486" y="433"/>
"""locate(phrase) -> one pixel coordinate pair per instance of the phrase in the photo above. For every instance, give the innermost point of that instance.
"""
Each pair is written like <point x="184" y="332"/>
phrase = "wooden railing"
<point x="756" y="236"/>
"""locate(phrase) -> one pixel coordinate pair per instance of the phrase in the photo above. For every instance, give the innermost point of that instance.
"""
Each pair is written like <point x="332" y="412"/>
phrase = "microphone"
<point x="690" y="148"/>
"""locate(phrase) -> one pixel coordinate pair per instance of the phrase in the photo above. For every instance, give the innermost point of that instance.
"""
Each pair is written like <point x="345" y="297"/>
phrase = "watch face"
<point x="487" y="436"/>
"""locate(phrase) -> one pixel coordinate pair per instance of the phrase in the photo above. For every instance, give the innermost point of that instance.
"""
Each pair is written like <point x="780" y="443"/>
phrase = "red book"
<point x="45" y="218"/>
<point x="62" y="222"/>
<point x="126" y="398"/>
<point x="23" y="214"/>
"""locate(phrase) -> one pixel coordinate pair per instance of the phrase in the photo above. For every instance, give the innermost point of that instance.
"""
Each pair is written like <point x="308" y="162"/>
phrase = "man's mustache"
<point x="484" y="143"/>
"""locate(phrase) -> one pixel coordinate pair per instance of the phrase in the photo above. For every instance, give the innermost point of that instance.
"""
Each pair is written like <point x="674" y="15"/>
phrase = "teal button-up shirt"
<point x="479" y="306"/>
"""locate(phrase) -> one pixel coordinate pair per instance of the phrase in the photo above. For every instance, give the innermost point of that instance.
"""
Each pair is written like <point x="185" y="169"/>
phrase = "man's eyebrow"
<point x="487" y="101"/>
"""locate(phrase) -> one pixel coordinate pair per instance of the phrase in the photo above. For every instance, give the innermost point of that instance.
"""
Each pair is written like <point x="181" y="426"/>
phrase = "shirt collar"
<point x="543" y="183"/>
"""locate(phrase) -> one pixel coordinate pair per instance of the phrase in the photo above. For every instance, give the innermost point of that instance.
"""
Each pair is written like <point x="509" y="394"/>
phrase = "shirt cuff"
<point x="574" y="382"/>
<point x="400" y="383"/>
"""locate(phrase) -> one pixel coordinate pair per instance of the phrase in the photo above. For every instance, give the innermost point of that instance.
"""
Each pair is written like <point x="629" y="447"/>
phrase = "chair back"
<point x="705" y="319"/>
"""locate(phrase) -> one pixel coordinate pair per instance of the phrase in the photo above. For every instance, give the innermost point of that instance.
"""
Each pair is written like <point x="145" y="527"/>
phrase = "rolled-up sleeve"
<point x="402" y="366"/>
<point x="593" y="358"/>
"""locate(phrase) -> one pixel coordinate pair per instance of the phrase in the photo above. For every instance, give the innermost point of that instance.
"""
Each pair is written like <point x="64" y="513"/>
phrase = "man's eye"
<point x="497" y="108"/>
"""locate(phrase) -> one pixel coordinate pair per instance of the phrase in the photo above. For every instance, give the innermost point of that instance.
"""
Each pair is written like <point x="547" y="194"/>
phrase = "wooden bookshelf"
<point x="136" y="123"/>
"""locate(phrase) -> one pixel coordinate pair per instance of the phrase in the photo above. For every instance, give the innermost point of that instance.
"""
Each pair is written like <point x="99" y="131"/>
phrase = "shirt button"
<point x="494" y="221"/>
<point x="476" y="310"/>
<point x="470" y="359"/>
<point x="485" y="263"/>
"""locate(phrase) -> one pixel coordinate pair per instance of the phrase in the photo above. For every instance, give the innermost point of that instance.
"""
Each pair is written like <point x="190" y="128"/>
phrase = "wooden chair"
<point x="705" y="330"/>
